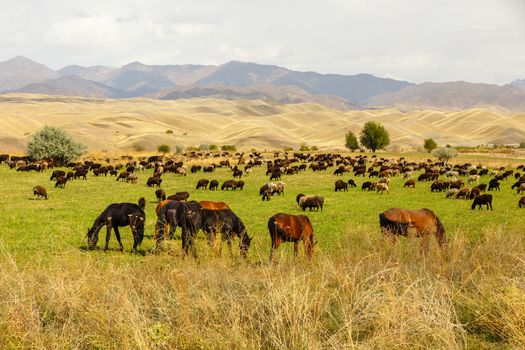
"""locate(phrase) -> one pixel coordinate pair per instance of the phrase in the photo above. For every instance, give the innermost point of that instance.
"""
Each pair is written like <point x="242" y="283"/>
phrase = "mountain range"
<point x="252" y="81"/>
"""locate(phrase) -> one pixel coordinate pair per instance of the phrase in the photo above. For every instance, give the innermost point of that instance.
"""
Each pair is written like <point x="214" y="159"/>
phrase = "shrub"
<point x="314" y="148"/>
<point x="164" y="149"/>
<point x="522" y="145"/>
<point x="204" y="147"/>
<point x="230" y="148"/>
<point x="213" y="147"/>
<point x="430" y="145"/>
<point x="179" y="149"/>
<point x="54" y="143"/>
<point x="304" y="147"/>
<point x="351" y="141"/>
<point x="169" y="131"/>
<point x="374" y="136"/>
<point x="445" y="154"/>
<point x="288" y="149"/>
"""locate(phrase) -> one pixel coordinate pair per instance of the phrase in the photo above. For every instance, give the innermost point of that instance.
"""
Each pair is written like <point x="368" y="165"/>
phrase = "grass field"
<point x="360" y="292"/>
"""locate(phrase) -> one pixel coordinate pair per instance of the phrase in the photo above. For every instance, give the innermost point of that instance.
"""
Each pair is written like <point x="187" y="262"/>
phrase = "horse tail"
<point x="161" y="222"/>
<point x="440" y="232"/>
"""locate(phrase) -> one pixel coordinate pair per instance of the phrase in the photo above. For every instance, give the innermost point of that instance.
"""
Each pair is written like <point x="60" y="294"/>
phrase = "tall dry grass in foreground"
<point x="366" y="294"/>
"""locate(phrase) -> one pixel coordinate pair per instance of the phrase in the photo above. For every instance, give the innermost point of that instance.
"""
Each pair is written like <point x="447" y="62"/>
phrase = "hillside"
<point x="113" y="124"/>
<point x="457" y="95"/>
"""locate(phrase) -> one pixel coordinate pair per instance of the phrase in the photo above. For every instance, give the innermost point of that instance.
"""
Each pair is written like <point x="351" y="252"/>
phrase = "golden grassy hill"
<point x="118" y="124"/>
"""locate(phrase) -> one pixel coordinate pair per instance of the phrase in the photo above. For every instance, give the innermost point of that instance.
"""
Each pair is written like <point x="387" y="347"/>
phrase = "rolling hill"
<point x="122" y="124"/>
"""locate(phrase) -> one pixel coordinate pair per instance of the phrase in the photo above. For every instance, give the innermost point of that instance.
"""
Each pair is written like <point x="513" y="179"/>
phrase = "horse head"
<point x="244" y="243"/>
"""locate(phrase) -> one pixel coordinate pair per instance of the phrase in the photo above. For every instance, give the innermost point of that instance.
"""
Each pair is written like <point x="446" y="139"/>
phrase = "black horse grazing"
<point x="229" y="225"/>
<point x="186" y="215"/>
<point x="118" y="215"/>
<point x="397" y="222"/>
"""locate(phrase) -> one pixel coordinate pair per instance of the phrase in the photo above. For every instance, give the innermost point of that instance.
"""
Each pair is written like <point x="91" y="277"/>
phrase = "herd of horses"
<point x="214" y="218"/>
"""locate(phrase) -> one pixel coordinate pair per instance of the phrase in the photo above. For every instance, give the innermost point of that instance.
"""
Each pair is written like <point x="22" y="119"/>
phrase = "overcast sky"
<point x="415" y="40"/>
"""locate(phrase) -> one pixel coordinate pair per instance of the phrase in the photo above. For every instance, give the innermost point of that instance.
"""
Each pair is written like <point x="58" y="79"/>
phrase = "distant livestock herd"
<point x="216" y="217"/>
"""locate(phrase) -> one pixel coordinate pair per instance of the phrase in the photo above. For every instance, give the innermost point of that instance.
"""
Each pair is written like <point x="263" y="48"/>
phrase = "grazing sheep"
<point x="352" y="183"/>
<point x="154" y="181"/>
<point x="521" y="188"/>
<point x="473" y="178"/>
<point x="494" y="185"/>
<point x="39" y="191"/>
<point x="410" y="183"/>
<point x="133" y="178"/>
<point x="382" y="187"/>
<point x="340" y="185"/>
<point x="123" y="176"/>
<point x="484" y="199"/>
<point x="214" y="185"/>
<point x="453" y="192"/>
<point x="202" y="183"/>
<point x="61" y="182"/>
<point x="463" y="193"/>
<point x="521" y="202"/>
<point x="311" y="202"/>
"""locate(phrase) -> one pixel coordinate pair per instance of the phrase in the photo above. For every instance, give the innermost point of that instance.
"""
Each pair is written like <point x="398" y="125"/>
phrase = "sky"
<point x="414" y="40"/>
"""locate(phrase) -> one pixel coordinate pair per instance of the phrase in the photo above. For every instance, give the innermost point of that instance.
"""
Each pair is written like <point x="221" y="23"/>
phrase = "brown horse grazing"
<point x="397" y="222"/>
<point x="291" y="228"/>
<point x="213" y="205"/>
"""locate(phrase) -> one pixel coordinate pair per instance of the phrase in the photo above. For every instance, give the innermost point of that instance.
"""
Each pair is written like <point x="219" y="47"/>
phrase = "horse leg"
<point x="308" y="248"/>
<point x="109" y="225"/>
<point x="275" y="244"/>
<point x="117" y="234"/>
<point x="295" y="249"/>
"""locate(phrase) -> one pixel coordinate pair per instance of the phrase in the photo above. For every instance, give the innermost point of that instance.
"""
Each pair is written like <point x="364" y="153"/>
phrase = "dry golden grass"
<point x="367" y="294"/>
<point x="122" y="124"/>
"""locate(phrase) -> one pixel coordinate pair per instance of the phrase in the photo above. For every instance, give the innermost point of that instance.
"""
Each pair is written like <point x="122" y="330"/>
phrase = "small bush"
<point x="164" y="149"/>
<point x="230" y="148"/>
<point x="288" y="149"/>
<point x="169" y="131"/>
<point x="304" y="147"/>
<point x="213" y="147"/>
<point x="314" y="148"/>
<point x="54" y="143"/>
<point x="445" y="154"/>
<point x="204" y="147"/>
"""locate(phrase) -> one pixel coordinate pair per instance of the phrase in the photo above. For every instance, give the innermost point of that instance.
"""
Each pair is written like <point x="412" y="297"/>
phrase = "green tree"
<point x="304" y="147"/>
<point x="374" y="136"/>
<point x="214" y="147"/>
<point x="351" y="141"/>
<point x="54" y="143"/>
<point x="164" y="149"/>
<point x="445" y="154"/>
<point x="430" y="145"/>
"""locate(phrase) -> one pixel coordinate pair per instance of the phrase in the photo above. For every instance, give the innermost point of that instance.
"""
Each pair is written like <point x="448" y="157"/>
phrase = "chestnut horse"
<point x="397" y="222"/>
<point x="291" y="228"/>
<point x="213" y="205"/>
